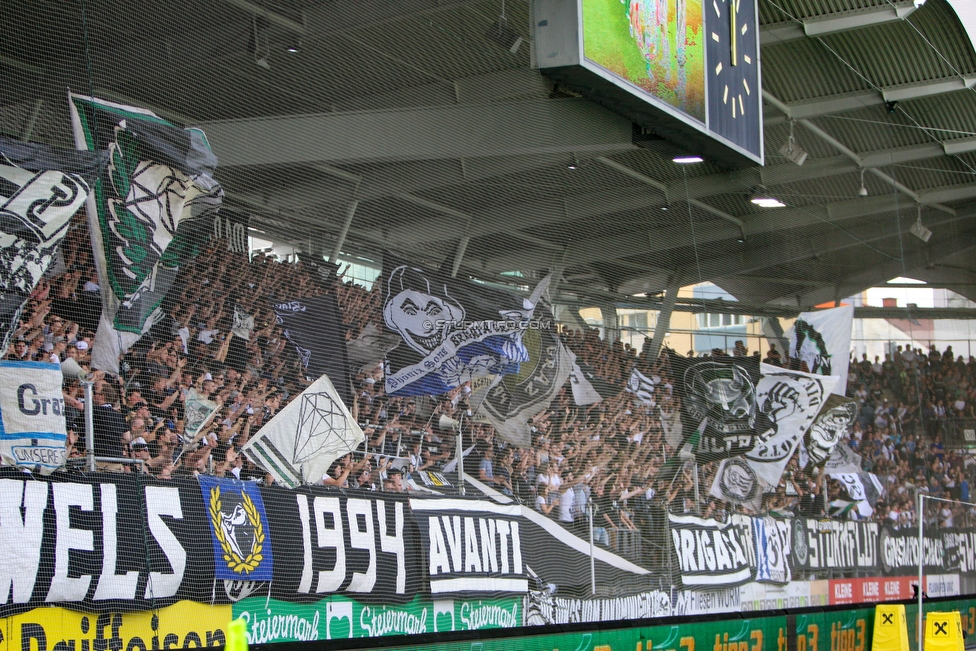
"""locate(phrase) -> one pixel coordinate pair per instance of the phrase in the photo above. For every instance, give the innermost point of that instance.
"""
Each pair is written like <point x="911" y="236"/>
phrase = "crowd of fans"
<point x="607" y="455"/>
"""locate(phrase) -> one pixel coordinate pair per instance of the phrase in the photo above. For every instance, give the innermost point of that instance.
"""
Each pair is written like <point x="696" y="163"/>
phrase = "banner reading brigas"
<point x="710" y="553"/>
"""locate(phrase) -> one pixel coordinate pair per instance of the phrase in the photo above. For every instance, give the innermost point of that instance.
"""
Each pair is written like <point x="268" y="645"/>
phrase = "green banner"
<point x="759" y="634"/>
<point x="342" y="618"/>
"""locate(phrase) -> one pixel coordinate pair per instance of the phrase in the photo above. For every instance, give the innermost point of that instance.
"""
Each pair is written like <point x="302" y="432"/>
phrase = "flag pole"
<point x="459" y="453"/>
<point x="921" y="521"/>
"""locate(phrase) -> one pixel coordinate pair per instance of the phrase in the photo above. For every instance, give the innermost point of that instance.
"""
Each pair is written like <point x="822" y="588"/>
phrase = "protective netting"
<point x="342" y="318"/>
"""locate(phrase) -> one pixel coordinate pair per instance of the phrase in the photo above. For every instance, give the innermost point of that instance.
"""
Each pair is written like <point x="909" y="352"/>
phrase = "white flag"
<point x="862" y="487"/>
<point x="823" y="340"/>
<point x="299" y="444"/>
<point x="583" y="391"/>
<point x="789" y="400"/>
<point x="842" y="460"/>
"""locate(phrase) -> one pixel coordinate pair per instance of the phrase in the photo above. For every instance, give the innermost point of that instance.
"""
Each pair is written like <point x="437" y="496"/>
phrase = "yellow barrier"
<point x="890" y="628"/>
<point x="943" y="632"/>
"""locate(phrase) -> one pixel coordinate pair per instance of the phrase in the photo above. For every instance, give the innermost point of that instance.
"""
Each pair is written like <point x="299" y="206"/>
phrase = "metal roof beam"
<point x="460" y="131"/>
<point x="842" y="148"/>
<point x="913" y="260"/>
<point x="833" y="23"/>
<point x="756" y="259"/>
<point x="830" y="104"/>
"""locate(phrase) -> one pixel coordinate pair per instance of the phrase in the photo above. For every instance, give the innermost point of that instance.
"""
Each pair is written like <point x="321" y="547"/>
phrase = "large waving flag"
<point x="512" y="400"/>
<point x="41" y="188"/>
<point x="151" y="208"/>
<point x="299" y="444"/>
<point x="822" y="341"/>
<point x="452" y="331"/>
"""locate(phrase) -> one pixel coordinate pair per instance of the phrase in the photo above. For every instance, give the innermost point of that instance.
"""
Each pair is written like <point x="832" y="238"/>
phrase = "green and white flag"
<point x="150" y="210"/>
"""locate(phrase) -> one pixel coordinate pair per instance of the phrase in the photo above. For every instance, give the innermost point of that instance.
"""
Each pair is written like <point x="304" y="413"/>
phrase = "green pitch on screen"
<point x="640" y="41"/>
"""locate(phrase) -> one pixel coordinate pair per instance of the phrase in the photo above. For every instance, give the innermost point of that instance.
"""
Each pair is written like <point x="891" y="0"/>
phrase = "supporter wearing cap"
<point x="140" y="452"/>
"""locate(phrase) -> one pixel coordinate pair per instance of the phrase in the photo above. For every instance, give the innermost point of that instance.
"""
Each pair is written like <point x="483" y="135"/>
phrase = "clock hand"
<point x="733" y="40"/>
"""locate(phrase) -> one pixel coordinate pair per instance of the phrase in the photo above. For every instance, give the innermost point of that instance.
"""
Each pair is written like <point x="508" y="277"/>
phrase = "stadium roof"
<point x="448" y="148"/>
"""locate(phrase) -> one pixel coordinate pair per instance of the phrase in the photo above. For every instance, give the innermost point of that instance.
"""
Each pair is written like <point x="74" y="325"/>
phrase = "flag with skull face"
<point x="720" y="391"/>
<point x="452" y="331"/>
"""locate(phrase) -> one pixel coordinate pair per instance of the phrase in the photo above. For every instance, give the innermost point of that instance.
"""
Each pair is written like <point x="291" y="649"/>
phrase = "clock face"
<point x="732" y="55"/>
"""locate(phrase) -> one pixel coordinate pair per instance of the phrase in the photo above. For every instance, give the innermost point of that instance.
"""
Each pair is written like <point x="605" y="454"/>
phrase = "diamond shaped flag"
<point x="299" y="444"/>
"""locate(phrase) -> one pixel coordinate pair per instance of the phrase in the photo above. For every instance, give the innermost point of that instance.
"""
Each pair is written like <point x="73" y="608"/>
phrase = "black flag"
<point x="315" y="328"/>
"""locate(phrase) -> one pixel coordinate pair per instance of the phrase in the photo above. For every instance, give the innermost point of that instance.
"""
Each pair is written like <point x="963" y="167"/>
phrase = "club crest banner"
<point x="32" y="427"/>
<point x="239" y="527"/>
<point x="513" y="399"/>
<point x="452" y="331"/>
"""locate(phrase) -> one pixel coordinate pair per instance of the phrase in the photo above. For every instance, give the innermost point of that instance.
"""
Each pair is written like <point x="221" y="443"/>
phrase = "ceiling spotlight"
<point x="261" y="54"/>
<point x="918" y="3"/>
<point x="768" y="202"/>
<point x="687" y="160"/>
<point x="503" y="35"/>
<point x="792" y="151"/>
<point x="918" y="230"/>
<point x="573" y="166"/>
<point x="862" y="191"/>
<point x="294" y="48"/>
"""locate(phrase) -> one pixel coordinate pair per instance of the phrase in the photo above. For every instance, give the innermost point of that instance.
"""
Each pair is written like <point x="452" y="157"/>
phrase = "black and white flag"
<point x="830" y="427"/>
<point x="587" y="388"/>
<point x="452" y="331"/>
<point x="720" y="391"/>
<point x="314" y="326"/>
<point x="150" y="212"/>
<point x="299" y="444"/>
<point x="243" y="323"/>
<point x="641" y="386"/>
<point x="41" y="188"/>
<point x="789" y="402"/>
<point x="864" y="489"/>
<point x="822" y="341"/>
<point x="512" y="400"/>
